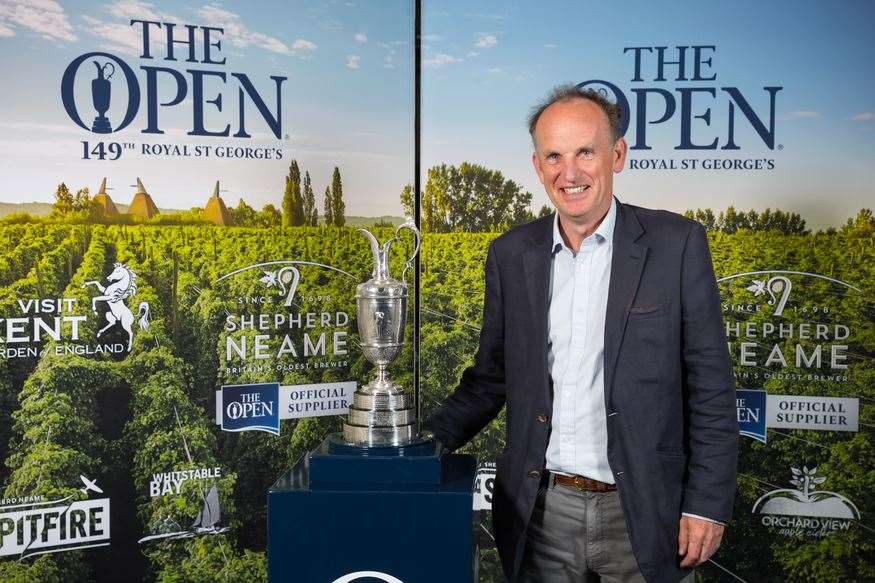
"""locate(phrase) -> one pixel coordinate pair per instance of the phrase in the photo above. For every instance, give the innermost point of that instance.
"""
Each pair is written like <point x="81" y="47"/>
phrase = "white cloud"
<point x="121" y="38"/>
<point x="802" y="114"/>
<point x="432" y="38"/>
<point x="864" y="116"/>
<point x="237" y="33"/>
<point x="136" y="10"/>
<point x="44" y="17"/>
<point x="361" y="37"/>
<point x="486" y="41"/>
<point x="472" y="54"/>
<point x="551" y="46"/>
<point x="439" y="60"/>
<point x="353" y="61"/>
<point x="304" y="45"/>
<point x="495" y="71"/>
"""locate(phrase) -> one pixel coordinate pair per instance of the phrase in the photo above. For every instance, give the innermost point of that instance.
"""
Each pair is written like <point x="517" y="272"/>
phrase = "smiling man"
<point x="602" y="335"/>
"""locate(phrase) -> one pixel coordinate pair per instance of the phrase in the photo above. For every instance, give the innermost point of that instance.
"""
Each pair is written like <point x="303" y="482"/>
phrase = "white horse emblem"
<point x="122" y="285"/>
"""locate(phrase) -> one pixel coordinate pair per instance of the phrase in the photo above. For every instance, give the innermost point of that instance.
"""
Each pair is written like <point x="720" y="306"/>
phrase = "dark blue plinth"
<point x="335" y="462"/>
<point x="403" y="512"/>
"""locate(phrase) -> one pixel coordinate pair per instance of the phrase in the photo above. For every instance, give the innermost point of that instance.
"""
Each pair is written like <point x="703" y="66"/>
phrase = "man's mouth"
<point x="572" y="190"/>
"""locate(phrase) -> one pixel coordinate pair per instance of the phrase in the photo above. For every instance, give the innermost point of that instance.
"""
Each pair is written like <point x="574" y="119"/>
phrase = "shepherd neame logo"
<point x="275" y="330"/>
<point x="117" y="94"/>
<point x="774" y="331"/>
<point x="693" y="106"/>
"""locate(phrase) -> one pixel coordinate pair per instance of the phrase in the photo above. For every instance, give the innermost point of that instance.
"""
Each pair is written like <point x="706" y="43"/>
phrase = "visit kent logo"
<point x="252" y="407"/>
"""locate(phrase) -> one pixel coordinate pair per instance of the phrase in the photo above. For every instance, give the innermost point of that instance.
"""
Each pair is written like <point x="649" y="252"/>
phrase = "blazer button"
<point x="534" y="474"/>
<point x="542" y="418"/>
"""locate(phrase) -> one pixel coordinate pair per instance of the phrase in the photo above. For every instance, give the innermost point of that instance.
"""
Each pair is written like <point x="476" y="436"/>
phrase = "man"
<point x="602" y="334"/>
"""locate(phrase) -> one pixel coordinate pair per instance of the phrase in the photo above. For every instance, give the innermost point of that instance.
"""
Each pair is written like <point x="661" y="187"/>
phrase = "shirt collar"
<point x="604" y="232"/>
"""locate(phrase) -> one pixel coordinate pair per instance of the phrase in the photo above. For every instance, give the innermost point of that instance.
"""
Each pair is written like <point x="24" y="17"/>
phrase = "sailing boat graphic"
<point x="210" y="515"/>
<point x="206" y="522"/>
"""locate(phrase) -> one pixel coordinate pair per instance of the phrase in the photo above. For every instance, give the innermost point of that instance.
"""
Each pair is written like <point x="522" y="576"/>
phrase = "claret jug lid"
<point x="382" y="284"/>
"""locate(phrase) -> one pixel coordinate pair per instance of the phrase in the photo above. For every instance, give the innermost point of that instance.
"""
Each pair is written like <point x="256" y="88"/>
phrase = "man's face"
<point x="575" y="159"/>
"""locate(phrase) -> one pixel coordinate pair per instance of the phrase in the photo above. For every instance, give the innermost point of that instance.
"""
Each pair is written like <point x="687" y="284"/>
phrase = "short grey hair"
<point x="569" y="92"/>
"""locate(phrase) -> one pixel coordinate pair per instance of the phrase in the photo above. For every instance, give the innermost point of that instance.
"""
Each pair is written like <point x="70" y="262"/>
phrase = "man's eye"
<point x="552" y="157"/>
<point x="587" y="153"/>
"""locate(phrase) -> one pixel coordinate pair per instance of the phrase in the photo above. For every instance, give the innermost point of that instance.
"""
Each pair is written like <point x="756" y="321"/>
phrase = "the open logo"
<point x="367" y="575"/>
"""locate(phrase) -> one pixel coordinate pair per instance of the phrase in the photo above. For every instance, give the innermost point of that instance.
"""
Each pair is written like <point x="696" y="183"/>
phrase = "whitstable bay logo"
<point x="62" y="320"/>
<point x="33" y="525"/>
<point x="805" y="510"/>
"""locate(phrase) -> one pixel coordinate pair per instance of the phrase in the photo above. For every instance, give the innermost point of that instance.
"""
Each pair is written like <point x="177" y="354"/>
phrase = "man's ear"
<point x="620" y="151"/>
<point x="537" y="164"/>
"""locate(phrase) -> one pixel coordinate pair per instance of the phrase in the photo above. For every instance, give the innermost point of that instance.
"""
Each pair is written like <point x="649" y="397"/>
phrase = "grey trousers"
<point x="579" y="537"/>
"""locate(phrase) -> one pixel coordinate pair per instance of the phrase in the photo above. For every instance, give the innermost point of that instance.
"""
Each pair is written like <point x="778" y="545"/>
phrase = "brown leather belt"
<point x="582" y="483"/>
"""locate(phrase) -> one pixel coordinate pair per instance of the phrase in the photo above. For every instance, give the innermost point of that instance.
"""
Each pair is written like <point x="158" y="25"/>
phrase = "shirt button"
<point x="542" y="418"/>
<point x="534" y="474"/>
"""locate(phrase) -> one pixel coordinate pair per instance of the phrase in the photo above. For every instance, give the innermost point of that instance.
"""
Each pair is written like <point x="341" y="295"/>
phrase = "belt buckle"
<point x="579" y="483"/>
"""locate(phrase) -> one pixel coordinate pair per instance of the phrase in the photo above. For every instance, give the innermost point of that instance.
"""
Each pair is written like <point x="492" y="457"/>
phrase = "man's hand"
<point x="697" y="540"/>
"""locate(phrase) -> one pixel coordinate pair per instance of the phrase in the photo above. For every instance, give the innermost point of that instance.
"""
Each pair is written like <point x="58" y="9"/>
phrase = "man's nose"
<point x="570" y="172"/>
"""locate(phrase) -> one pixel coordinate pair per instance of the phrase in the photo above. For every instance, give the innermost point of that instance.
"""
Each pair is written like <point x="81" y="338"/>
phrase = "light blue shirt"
<point x="579" y="284"/>
<point x="575" y="352"/>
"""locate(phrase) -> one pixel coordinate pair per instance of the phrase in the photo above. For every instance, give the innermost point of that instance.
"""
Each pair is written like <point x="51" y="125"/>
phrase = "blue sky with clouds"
<point x="486" y="63"/>
<point x="348" y="99"/>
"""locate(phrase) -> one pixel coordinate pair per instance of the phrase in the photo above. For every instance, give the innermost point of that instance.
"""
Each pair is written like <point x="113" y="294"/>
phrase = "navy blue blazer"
<point x="669" y="389"/>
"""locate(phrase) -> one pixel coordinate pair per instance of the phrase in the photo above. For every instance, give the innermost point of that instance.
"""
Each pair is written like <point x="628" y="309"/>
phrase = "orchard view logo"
<point x="114" y="77"/>
<point x="805" y="510"/>
<point x="691" y="104"/>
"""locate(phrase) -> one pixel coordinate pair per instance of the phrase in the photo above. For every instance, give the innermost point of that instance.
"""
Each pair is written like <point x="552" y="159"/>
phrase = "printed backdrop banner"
<point x="736" y="118"/>
<point x="179" y="190"/>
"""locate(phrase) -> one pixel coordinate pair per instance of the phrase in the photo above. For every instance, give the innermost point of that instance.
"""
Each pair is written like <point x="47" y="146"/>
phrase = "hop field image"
<point x="116" y="338"/>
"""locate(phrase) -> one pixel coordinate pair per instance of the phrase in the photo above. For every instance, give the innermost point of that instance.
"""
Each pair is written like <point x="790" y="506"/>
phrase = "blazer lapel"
<point x="627" y="263"/>
<point x="536" y="270"/>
